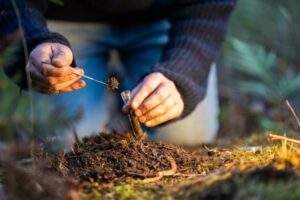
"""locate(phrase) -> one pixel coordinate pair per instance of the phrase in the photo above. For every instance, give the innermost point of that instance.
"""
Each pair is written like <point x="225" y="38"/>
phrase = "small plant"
<point x="14" y="109"/>
<point x="264" y="77"/>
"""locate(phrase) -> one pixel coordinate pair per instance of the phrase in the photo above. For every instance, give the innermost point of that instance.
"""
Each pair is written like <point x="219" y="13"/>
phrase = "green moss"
<point x="274" y="190"/>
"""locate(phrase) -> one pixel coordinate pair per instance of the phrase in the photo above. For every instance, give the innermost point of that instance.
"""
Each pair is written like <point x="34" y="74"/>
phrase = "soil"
<point x="115" y="157"/>
<point x="117" y="166"/>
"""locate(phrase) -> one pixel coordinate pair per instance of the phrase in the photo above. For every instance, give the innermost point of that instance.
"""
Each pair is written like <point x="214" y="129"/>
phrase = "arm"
<point x="198" y="29"/>
<point x="35" y="31"/>
<point x="197" y="33"/>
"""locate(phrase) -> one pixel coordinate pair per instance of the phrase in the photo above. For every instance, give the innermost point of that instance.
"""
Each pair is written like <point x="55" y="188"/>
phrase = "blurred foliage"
<point x="58" y="2"/>
<point x="15" y="111"/>
<point x="261" y="58"/>
<point x="272" y="23"/>
<point x="266" y="79"/>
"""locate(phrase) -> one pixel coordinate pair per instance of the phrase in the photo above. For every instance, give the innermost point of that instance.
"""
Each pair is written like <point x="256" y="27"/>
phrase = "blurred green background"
<point x="258" y="70"/>
<point x="259" y="67"/>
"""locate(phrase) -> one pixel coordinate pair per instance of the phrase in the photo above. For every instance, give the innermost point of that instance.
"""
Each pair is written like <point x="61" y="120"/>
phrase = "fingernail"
<point x="77" y="71"/>
<point x="82" y="83"/>
<point x="81" y="71"/>
<point x="134" y="105"/>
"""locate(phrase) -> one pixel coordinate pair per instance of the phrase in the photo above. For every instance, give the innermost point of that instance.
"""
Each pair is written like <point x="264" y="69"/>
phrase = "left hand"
<point x="155" y="100"/>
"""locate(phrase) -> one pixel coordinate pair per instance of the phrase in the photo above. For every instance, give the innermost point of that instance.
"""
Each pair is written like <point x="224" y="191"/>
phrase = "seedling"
<point x="136" y="127"/>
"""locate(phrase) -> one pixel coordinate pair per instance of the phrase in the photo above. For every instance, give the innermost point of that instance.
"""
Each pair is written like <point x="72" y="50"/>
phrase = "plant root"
<point x="162" y="174"/>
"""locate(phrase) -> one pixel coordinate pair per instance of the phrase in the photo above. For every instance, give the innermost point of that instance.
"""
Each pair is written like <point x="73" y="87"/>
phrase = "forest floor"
<point x="117" y="166"/>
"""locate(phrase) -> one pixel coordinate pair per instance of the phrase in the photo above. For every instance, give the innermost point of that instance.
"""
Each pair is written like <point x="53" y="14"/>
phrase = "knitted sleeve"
<point x="35" y="31"/>
<point x="197" y="31"/>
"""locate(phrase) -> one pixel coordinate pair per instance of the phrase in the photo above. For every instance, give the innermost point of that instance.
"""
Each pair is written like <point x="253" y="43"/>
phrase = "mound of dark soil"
<point x="115" y="157"/>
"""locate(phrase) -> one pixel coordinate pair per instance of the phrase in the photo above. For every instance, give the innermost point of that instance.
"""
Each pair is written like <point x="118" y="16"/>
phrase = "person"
<point x="166" y="49"/>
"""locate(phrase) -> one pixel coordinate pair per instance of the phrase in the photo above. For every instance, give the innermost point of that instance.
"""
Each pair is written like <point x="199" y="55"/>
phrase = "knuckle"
<point x="149" y="115"/>
<point x="161" y="110"/>
<point x="157" y="75"/>
<point x="171" y="84"/>
<point x="163" y="92"/>
<point x="153" y="76"/>
<point x="146" y="106"/>
<point x="169" y="103"/>
<point x="148" y="86"/>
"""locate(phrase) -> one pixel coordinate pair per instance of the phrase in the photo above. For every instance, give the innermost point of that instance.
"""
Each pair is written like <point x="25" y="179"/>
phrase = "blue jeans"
<point x="139" y="47"/>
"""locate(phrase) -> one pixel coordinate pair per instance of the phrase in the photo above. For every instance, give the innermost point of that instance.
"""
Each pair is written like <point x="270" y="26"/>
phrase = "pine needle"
<point x="293" y="112"/>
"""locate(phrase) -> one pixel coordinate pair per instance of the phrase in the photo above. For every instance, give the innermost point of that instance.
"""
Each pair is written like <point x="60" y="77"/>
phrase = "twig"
<point x="279" y="137"/>
<point x="187" y="175"/>
<point x="293" y="112"/>
<point x="136" y="127"/>
<point x="26" y="56"/>
<point x="77" y="140"/>
<point x="162" y="174"/>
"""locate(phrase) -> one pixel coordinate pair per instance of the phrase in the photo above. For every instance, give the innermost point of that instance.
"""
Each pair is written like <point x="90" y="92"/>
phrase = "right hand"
<point x="50" y="71"/>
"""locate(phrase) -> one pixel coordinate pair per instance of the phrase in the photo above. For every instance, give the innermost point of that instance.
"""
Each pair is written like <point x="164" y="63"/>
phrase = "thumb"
<point x="62" y="56"/>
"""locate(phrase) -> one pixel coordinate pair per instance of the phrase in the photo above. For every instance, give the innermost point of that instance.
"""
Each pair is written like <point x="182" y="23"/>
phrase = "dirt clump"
<point x="113" y="83"/>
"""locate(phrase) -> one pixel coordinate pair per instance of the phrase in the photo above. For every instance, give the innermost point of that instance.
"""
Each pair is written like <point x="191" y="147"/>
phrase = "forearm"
<point x="198" y="30"/>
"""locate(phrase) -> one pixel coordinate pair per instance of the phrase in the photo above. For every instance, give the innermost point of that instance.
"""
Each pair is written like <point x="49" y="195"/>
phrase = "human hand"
<point x="155" y="100"/>
<point x="49" y="69"/>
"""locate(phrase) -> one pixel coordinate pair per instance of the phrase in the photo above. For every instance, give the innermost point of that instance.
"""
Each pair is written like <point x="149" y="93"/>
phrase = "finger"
<point x="65" y="84"/>
<point x="127" y="107"/>
<point x="157" y="97"/>
<point x="62" y="56"/>
<point x="36" y="75"/>
<point x="159" y="110"/>
<point x="149" y="84"/>
<point x="171" y="114"/>
<point x="57" y="80"/>
<point x="50" y="70"/>
<point x="75" y="86"/>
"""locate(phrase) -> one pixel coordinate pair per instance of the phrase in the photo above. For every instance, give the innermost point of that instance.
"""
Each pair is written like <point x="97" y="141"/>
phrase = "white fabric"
<point x="202" y="125"/>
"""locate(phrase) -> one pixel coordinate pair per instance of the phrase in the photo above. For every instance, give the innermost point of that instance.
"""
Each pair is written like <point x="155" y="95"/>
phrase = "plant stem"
<point x="92" y="79"/>
<point x="26" y="56"/>
<point x="136" y="127"/>
<point x="279" y="137"/>
<point x="293" y="112"/>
